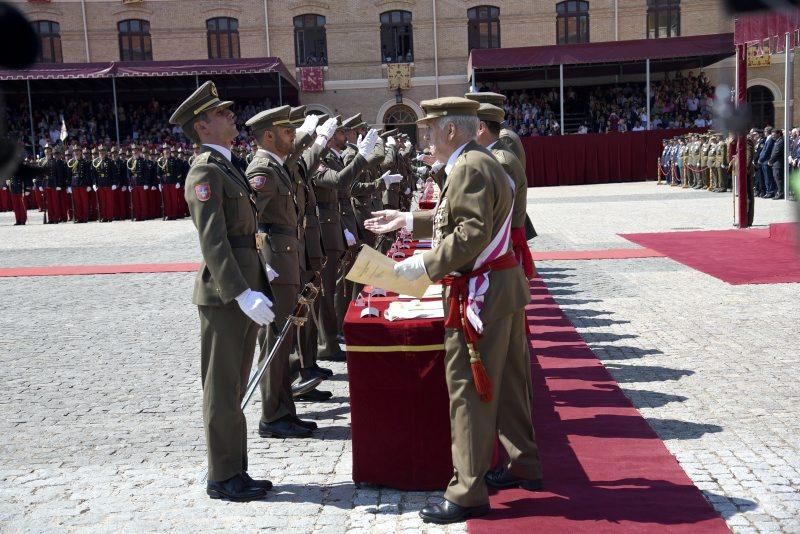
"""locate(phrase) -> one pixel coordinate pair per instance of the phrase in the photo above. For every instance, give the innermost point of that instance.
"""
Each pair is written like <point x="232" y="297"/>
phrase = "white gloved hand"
<point x="327" y="129"/>
<point x="58" y="189"/>
<point x="41" y="189"/>
<point x="124" y="188"/>
<point x="146" y="187"/>
<point x="408" y="190"/>
<point x="69" y="190"/>
<point x="419" y="157"/>
<point x="390" y="179"/>
<point x="367" y="144"/>
<point x="391" y="141"/>
<point x="159" y="187"/>
<point x="177" y="186"/>
<point x="410" y="268"/>
<point x="309" y="124"/>
<point x="349" y="237"/>
<point x="88" y="189"/>
<point x="408" y="145"/>
<point x="113" y="187"/>
<point x="257" y="306"/>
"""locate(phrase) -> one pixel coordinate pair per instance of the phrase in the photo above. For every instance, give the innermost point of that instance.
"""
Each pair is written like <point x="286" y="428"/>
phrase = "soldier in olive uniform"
<point x="712" y="162"/>
<point x="229" y="289"/>
<point x="471" y="236"/>
<point x="330" y="178"/>
<point x="722" y="166"/>
<point x="278" y="217"/>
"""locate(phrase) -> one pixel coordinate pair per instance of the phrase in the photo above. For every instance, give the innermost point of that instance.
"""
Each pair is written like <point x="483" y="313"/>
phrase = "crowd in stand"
<point x="91" y="122"/>
<point x="679" y="102"/>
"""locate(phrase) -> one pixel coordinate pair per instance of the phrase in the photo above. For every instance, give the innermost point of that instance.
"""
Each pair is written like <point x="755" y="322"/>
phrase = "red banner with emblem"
<point x="312" y="79"/>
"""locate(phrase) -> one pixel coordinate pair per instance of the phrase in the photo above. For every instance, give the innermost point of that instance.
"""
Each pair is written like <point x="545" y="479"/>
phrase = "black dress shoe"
<point x="282" y="428"/>
<point x="235" y="489"/>
<point x="311" y="425"/>
<point x="321" y="370"/>
<point x="315" y="395"/>
<point x="263" y="484"/>
<point x="314" y="372"/>
<point x="305" y="385"/>
<point x="503" y="478"/>
<point x="449" y="512"/>
<point x="338" y="356"/>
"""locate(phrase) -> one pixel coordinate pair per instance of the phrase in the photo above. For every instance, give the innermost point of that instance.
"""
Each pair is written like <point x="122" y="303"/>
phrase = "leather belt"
<point x="280" y="229"/>
<point x="328" y="205"/>
<point x="242" y="241"/>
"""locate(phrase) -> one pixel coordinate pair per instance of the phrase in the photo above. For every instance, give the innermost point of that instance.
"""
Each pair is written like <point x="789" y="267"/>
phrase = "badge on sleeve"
<point x="257" y="182"/>
<point x="202" y="192"/>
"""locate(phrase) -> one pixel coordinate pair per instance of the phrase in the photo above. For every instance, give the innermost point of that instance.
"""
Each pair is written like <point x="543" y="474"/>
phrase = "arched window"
<point x="663" y="18"/>
<point x="572" y="22"/>
<point x="134" y="40"/>
<point x="403" y="118"/>
<point x="310" y="43"/>
<point x="484" y="27"/>
<point x="223" y="38"/>
<point x="49" y="41"/>
<point x="762" y="106"/>
<point x="397" y="40"/>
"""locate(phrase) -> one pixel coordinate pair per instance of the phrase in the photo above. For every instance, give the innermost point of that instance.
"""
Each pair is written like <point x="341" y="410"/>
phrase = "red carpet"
<point x="605" y="470"/>
<point x="733" y="256"/>
<point x="78" y="270"/>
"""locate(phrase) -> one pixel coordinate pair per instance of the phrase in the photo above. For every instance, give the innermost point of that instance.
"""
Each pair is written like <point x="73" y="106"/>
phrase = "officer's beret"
<point x="270" y="117"/>
<point x="205" y="98"/>
<point x="495" y="99"/>
<point x="491" y="113"/>
<point x="448" y="106"/>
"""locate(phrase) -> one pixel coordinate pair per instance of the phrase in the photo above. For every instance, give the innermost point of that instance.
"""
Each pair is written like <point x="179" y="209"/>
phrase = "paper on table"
<point x="373" y="268"/>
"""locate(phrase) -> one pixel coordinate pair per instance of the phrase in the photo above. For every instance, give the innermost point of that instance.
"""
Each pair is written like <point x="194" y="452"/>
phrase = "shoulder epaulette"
<point x="201" y="159"/>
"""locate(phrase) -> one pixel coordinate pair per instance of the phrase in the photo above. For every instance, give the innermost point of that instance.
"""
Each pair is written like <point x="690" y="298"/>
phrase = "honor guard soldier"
<point x="332" y="179"/>
<point x="276" y="199"/>
<point x="137" y="184"/>
<point x="120" y="191"/>
<point x="105" y="170"/>
<point x="81" y="185"/>
<point x="19" y="189"/>
<point x="55" y="182"/>
<point x="229" y="289"/>
<point x="169" y="181"/>
<point x="485" y="328"/>
<point x="154" y="197"/>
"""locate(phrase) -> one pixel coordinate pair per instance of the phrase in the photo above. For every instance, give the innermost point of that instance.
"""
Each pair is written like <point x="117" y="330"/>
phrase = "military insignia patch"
<point x="257" y="182"/>
<point x="202" y="192"/>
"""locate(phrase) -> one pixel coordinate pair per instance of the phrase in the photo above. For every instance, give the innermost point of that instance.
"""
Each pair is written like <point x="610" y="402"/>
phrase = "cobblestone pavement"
<point x="101" y="411"/>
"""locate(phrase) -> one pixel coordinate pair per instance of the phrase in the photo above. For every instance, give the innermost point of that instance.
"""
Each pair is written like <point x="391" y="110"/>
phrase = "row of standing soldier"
<point x="699" y="161"/>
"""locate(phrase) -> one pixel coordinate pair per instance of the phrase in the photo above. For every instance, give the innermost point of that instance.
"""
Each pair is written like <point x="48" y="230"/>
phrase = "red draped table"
<point x="398" y="400"/>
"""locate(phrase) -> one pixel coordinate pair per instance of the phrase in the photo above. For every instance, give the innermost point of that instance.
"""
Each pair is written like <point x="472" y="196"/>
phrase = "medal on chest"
<point x="438" y="219"/>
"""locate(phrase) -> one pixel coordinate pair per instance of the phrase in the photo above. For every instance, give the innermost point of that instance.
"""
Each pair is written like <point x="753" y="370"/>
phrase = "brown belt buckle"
<point x="260" y="237"/>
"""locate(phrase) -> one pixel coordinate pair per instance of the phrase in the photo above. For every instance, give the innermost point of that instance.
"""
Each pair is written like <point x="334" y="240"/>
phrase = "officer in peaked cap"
<point x="229" y="289"/>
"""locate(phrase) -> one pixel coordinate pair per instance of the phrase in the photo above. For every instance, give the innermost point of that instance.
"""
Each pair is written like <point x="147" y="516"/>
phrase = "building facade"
<point x="354" y="43"/>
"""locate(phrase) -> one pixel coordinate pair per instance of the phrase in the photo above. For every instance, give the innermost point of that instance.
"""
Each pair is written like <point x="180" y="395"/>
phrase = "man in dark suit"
<point x="776" y="163"/>
<point x="763" y="160"/>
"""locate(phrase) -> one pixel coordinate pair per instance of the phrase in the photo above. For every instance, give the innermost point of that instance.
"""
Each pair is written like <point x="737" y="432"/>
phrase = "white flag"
<point x="63" y="129"/>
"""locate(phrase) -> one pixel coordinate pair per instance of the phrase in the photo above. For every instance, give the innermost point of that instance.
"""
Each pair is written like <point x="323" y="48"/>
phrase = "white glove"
<point x="88" y="189"/>
<point x="58" y="189"/>
<point x="349" y="237"/>
<point x="408" y="190"/>
<point x="257" y="306"/>
<point x="327" y="129"/>
<point x="113" y="187"/>
<point x="146" y="187"/>
<point x="309" y="124"/>
<point x="367" y="145"/>
<point x="177" y="186"/>
<point x="410" y="268"/>
<point x="41" y="189"/>
<point x="69" y="190"/>
<point x="124" y="188"/>
<point x="391" y="141"/>
<point x="408" y="145"/>
<point x="419" y="157"/>
<point x="390" y="179"/>
<point x="159" y="187"/>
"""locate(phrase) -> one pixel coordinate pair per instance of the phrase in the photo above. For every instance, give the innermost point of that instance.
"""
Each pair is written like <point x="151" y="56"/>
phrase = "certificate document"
<point x="373" y="268"/>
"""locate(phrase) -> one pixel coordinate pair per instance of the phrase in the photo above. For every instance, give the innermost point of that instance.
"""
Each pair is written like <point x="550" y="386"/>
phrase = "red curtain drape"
<point x="594" y="158"/>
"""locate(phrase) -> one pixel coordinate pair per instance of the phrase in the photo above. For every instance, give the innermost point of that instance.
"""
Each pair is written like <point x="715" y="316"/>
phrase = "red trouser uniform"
<point x="66" y="205"/>
<point x="53" y="200"/>
<point x="170" y="195"/>
<point x="106" y="197"/>
<point x="20" y="208"/>
<point x="140" y="203"/>
<point x="155" y="202"/>
<point x="5" y="199"/>
<point x="38" y="198"/>
<point x="80" y="196"/>
<point x="121" y="204"/>
<point x="93" y="205"/>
